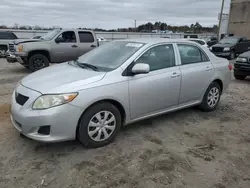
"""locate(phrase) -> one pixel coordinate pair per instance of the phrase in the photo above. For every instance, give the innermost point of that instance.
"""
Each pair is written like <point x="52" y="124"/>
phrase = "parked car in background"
<point x="57" y="46"/>
<point x="37" y="37"/>
<point x="242" y="66"/>
<point x="200" y="41"/>
<point x="101" y="39"/>
<point x="229" y="47"/>
<point x="5" y="38"/>
<point x="116" y="84"/>
<point x="211" y="41"/>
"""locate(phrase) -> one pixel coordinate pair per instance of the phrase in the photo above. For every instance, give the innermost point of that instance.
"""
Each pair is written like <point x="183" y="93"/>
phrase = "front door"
<point x="66" y="49"/>
<point x="159" y="89"/>
<point x="196" y="71"/>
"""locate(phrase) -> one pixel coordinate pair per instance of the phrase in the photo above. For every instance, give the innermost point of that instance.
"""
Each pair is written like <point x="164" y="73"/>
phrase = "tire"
<point x="232" y="55"/>
<point x="239" y="77"/>
<point x="206" y="104"/>
<point x="37" y="62"/>
<point x="88" y="135"/>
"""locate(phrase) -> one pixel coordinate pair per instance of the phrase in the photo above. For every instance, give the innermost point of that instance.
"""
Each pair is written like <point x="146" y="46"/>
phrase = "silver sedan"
<point x="114" y="85"/>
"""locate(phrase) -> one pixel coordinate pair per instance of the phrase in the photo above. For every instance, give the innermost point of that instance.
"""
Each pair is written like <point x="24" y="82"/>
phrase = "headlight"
<point x="241" y="59"/>
<point x="48" y="101"/>
<point x="19" y="48"/>
<point x="226" y="49"/>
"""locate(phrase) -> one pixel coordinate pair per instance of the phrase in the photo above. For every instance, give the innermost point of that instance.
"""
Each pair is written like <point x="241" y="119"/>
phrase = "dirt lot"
<point x="185" y="149"/>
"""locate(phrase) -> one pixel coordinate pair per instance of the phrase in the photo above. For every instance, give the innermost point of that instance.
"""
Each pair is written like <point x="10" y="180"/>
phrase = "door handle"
<point x="175" y="74"/>
<point x="208" y="69"/>
<point x="74" y="46"/>
<point x="93" y="46"/>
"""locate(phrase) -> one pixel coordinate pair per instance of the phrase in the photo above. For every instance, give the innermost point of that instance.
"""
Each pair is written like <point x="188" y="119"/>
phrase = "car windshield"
<point x="111" y="55"/>
<point x="50" y="35"/>
<point x="228" y="40"/>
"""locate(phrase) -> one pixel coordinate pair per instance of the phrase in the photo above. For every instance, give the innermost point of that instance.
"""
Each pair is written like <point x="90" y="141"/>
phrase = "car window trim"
<point x="201" y="50"/>
<point x="127" y="71"/>
<point x="64" y="32"/>
<point x="85" y="32"/>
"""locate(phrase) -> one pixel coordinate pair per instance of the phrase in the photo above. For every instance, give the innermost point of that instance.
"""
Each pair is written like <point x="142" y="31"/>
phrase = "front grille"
<point x="242" y="65"/>
<point x="11" y="47"/>
<point x="217" y="49"/>
<point x="21" y="99"/>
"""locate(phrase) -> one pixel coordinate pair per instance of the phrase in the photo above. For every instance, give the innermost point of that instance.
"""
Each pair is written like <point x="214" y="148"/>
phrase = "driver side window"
<point x="159" y="57"/>
<point x="67" y="37"/>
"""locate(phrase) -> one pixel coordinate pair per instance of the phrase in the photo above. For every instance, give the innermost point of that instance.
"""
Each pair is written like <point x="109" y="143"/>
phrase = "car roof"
<point x="157" y="40"/>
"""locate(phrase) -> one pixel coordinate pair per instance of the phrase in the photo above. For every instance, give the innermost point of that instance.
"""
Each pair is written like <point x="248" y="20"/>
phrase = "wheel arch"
<point x="219" y="81"/>
<point x="43" y="52"/>
<point x="117" y="104"/>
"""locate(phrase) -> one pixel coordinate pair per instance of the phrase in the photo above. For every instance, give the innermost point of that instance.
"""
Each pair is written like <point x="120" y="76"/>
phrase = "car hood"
<point x="21" y="41"/>
<point x="245" y="54"/>
<point x="223" y="45"/>
<point x="61" y="78"/>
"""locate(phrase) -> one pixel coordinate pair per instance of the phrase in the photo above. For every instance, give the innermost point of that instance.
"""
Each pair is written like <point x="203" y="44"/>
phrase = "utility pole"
<point x="135" y="25"/>
<point x="221" y="12"/>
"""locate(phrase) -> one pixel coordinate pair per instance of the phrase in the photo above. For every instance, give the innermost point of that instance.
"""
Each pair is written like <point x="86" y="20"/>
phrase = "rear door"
<point x="87" y="42"/>
<point x="196" y="71"/>
<point x="66" y="49"/>
<point x="159" y="89"/>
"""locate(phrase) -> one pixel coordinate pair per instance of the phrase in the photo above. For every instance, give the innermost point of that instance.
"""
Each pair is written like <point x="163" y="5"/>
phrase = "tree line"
<point x="147" y="27"/>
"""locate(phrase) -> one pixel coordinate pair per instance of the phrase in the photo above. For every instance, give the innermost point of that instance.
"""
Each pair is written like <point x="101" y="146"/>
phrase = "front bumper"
<point x="222" y="54"/>
<point x="21" y="57"/>
<point x="242" y="71"/>
<point x="11" y="58"/>
<point x="63" y="120"/>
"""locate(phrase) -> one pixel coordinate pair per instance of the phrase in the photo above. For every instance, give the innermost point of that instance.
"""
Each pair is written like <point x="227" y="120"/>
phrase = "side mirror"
<point x="140" y="68"/>
<point x="59" y="39"/>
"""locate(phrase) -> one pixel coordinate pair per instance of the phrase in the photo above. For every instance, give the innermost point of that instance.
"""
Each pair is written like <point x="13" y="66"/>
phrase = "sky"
<point x="109" y="14"/>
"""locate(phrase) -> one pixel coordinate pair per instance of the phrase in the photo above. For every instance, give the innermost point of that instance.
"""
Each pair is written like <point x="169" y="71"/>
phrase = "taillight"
<point x="230" y="67"/>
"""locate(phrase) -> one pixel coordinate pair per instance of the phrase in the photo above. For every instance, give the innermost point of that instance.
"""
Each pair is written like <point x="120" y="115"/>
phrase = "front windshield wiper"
<point x="86" y="65"/>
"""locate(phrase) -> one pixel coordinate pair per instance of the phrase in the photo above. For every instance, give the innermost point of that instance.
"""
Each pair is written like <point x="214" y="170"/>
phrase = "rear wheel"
<point x="37" y="62"/>
<point x="239" y="77"/>
<point x="211" y="98"/>
<point x="99" y="125"/>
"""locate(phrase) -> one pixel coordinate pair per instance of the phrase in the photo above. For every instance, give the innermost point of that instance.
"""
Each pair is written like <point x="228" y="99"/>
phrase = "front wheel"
<point x="37" y="62"/>
<point x="99" y="125"/>
<point x="211" y="98"/>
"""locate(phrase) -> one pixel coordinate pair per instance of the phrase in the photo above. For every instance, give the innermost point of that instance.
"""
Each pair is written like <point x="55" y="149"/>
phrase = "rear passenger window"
<point x="86" y="37"/>
<point x="191" y="54"/>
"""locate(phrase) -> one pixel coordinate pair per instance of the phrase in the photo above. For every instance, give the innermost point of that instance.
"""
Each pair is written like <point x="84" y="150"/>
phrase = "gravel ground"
<point x="185" y="149"/>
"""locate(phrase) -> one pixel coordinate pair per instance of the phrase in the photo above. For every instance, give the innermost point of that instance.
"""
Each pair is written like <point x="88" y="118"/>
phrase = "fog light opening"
<point x="44" y="130"/>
